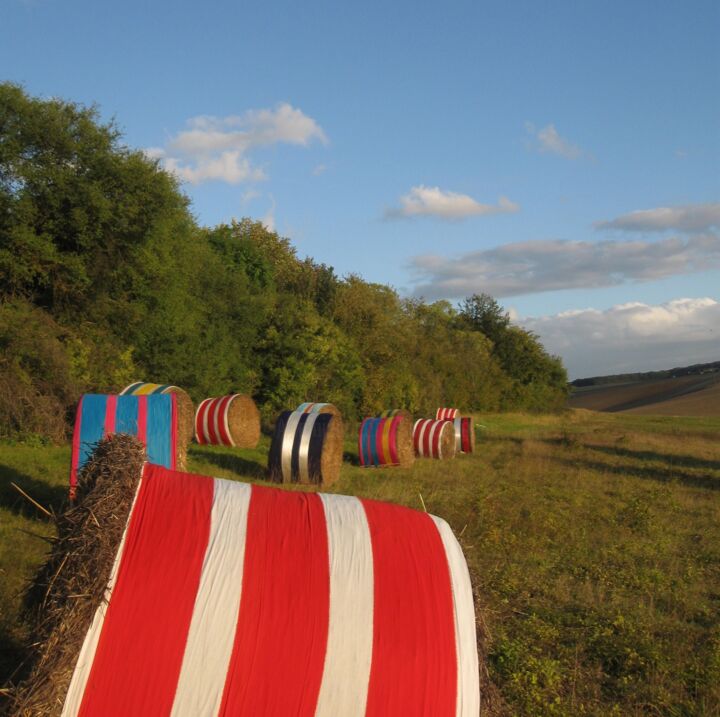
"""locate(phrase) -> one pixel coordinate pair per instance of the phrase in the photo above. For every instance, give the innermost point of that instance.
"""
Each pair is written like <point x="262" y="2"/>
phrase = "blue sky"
<point x="563" y="156"/>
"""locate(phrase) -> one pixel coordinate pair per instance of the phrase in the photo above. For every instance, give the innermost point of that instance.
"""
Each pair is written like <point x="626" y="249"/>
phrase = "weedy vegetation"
<point x="593" y="541"/>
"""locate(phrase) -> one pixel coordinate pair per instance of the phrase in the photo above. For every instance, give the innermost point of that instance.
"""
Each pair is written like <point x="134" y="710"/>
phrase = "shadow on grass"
<point x="669" y="458"/>
<point x="49" y="496"/>
<point x="13" y="661"/>
<point x="668" y="474"/>
<point x="241" y="466"/>
<point x="351" y="458"/>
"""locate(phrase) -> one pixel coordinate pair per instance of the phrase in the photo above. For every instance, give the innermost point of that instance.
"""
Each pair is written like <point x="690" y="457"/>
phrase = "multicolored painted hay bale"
<point x="386" y="441"/>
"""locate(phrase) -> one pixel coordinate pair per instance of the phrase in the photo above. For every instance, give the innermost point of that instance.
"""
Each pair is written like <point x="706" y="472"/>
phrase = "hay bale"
<point x="392" y="412"/>
<point x="64" y="595"/>
<point x="306" y="448"/>
<point x="447" y="414"/>
<point x="232" y="420"/>
<point x="386" y="441"/>
<point x="152" y="418"/>
<point x="219" y="582"/>
<point x="309" y="407"/>
<point x="434" y="439"/>
<point x="185" y="412"/>
<point x="464" y="434"/>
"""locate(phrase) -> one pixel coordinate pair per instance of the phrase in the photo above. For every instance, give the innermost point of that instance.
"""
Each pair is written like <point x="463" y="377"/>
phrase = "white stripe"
<point x="427" y="422"/>
<point x="468" y="679"/>
<point x="216" y="420"/>
<point x="76" y="690"/>
<point x="206" y="431"/>
<point x="198" y="433"/>
<point x="288" y="440"/>
<point x="226" y="421"/>
<point x="304" y="449"/>
<point x="344" y="686"/>
<point x="417" y="430"/>
<point x="212" y="630"/>
<point x="458" y="435"/>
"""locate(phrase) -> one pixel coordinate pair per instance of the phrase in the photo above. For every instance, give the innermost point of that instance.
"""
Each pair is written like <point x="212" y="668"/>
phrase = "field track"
<point x="682" y="396"/>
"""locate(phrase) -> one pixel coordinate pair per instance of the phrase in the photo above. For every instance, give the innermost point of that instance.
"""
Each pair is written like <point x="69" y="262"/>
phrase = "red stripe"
<point x="110" y="412"/>
<point x="414" y="661"/>
<point x="142" y="419"/>
<point x="222" y="411"/>
<point x="199" y="417"/>
<point x="417" y="431"/>
<point x="212" y="437"/>
<point x="393" y="439"/>
<point x="465" y="434"/>
<point x="173" y="433"/>
<point x="368" y="444"/>
<point x="427" y="451"/>
<point x="75" y="450"/>
<point x="382" y="460"/>
<point x="283" y="620"/>
<point x="141" y="646"/>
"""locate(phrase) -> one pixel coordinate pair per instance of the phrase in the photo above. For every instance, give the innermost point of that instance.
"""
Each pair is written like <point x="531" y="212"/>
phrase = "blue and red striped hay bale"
<point x="230" y="598"/>
<point x="151" y="418"/>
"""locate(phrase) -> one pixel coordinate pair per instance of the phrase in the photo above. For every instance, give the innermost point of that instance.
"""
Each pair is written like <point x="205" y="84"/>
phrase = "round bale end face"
<point x="447" y="440"/>
<point x="244" y="421"/>
<point x="405" y="448"/>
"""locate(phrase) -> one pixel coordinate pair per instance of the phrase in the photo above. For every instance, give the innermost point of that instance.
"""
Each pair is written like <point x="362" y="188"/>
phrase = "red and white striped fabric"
<point x="211" y="422"/>
<point x="427" y="437"/>
<point x="235" y="599"/>
<point x="447" y="414"/>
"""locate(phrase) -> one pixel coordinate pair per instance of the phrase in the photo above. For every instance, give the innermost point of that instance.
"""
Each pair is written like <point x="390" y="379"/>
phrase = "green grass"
<point x="593" y="541"/>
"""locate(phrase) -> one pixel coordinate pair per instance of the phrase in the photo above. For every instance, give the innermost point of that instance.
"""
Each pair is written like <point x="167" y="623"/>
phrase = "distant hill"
<point x="686" y="391"/>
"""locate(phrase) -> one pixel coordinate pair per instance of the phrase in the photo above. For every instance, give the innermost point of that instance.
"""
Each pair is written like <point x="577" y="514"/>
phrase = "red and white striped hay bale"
<point x="232" y="420"/>
<point x="433" y="438"/>
<point x="235" y="599"/>
<point x="447" y="414"/>
<point x="464" y="434"/>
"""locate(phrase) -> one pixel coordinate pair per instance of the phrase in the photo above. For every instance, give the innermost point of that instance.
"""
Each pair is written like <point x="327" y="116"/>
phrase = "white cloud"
<point x="549" y="265"/>
<point x="632" y="337"/>
<point x="319" y="169"/>
<point x="216" y="148"/>
<point x="436" y="202"/>
<point x="547" y="140"/>
<point x="688" y="218"/>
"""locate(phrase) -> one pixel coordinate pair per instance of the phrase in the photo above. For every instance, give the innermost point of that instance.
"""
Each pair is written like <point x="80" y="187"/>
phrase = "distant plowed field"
<point x="683" y="396"/>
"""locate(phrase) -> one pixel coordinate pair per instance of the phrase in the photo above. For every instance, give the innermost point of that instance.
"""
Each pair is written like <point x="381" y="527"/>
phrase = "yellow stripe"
<point x="386" y="441"/>
<point x="145" y="389"/>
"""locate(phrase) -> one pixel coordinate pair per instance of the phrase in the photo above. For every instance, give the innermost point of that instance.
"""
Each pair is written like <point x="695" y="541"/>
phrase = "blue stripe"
<point x="363" y="430"/>
<point x="373" y="442"/>
<point x="92" y="423"/>
<point x="127" y="415"/>
<point x="161" y="387"/>
<point x="130" y="389"/>
<point x="159" y="429"/>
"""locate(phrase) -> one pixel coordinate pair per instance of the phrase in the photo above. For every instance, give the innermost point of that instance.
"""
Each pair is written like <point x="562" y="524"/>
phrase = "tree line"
<point x="106" y="278"/>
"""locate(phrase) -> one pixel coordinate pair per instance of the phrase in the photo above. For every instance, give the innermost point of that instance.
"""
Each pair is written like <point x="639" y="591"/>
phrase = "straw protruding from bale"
<point x="306" y="448"/>
<point x="447" y="414"/>
<point x="62" y="599"/>
<point x="386" y="441"/>
<point x="464" y="434"/>
<point x="434" y="439"/>
<point x="185" y="412"/>
<point x="232" y="420"/>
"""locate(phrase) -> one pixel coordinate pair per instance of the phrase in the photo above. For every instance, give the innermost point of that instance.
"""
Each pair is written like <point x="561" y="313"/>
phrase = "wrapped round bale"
<point x="309" y="407"/>
<point x="190" y="591"/>
<point x="464" y="434"/>
<point x="306" y="448"/>
<point x="232" y="420"/>
<point x="434" y="439"/>
<point x="391" y="412"/>
<point x="447" y="414"/>
<point x="152" y="419"/>
<point x="185" y="410"/>
<point x="386" y="442"/>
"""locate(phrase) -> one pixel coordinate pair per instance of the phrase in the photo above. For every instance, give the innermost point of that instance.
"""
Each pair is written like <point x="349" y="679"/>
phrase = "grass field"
<point x="593" y="542"/>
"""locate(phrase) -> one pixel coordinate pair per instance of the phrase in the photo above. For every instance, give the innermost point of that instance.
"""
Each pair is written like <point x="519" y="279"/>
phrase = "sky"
<point x="561" y="156"/>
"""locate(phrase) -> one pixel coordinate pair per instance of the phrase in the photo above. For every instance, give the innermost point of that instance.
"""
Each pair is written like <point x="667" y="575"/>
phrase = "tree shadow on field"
<point x="660" y="475"/>
<point x="13" y="662"/>
<point x="52" y="497"/>
<point x="671" y="458"/>
<point x="236" y="464"/>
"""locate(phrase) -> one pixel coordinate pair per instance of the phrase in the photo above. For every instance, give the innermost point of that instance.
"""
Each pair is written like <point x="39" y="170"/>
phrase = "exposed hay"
<point x="62" y="599"/>
<point x="404" y="440"/>
<point x="332" y="450"/>
<point x="447" y="440"/>
<point x="244" y="421"/>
